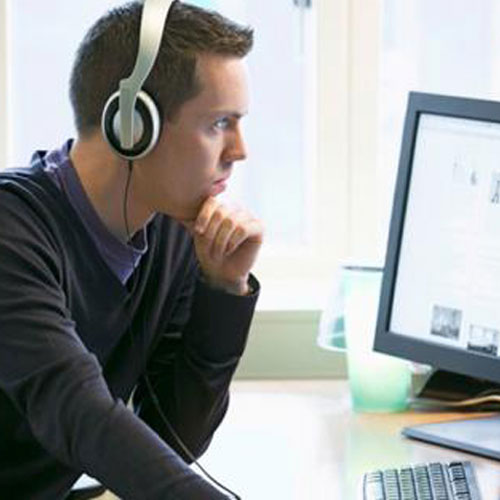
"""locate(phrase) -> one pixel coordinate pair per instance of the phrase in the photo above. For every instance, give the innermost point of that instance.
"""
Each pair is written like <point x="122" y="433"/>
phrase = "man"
<point x="117" y="279"/>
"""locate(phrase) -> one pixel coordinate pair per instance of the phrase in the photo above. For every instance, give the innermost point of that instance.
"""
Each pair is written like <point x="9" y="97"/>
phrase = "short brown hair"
<point x="108" y="52"/>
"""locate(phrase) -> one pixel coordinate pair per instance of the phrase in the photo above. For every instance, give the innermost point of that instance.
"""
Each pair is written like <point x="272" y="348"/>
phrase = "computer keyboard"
<point x="432" y="481"/>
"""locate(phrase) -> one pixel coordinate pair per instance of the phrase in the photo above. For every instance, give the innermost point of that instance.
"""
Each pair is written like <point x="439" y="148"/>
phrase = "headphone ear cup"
<point x="147" y="125"/>
<point x="138" y="127"/>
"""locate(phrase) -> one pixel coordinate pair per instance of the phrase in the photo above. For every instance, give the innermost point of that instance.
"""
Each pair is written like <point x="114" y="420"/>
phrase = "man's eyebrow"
<point x="227" y="112"/>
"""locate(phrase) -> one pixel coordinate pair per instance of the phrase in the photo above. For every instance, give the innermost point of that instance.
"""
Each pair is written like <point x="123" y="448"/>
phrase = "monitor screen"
<point x="441" y="290"/>
<point x="440" y="296"/>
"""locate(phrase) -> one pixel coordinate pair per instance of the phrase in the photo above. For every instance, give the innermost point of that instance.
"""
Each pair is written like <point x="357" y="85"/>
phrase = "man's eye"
<point x="222" y="123"/>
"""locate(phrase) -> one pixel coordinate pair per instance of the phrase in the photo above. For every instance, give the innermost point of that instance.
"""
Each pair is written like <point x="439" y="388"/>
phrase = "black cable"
<point x="125" y="202"/>
<point x="152" y="394"/>
<point x="185" y="449"/>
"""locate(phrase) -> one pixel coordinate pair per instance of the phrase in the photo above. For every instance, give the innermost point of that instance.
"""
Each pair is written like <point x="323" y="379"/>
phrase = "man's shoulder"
<point x="23" y="180"/>
<point x="24" y="186"/>
<point x="29" y="205"/>
<point x="17" y="176"/>
<point x="17" y="186"/>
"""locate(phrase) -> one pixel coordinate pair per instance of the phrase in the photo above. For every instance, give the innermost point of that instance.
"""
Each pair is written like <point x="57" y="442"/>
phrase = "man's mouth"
<point x="219" y="186"/>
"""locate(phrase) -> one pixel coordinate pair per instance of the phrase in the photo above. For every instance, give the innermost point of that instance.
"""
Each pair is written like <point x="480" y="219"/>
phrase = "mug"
<point x="377" y="382"/>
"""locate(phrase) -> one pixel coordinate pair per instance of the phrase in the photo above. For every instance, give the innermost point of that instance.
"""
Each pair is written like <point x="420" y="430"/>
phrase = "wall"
<point x="3" y="84"/>
<point x="283" y="345"/>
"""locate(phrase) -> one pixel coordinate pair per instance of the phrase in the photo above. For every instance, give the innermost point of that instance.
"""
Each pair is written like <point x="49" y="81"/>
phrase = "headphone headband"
<point x="154" y="16"/>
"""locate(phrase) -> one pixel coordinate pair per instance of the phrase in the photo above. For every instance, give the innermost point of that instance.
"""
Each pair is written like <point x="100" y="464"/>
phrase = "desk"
<point x="300" y="440"/>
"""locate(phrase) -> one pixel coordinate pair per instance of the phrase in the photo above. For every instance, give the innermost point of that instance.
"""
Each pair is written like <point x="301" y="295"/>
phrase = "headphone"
<point x="130" y="120"/>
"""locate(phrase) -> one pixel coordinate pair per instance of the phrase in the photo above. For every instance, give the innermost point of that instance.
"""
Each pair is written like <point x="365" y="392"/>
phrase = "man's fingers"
<point x="233" y="230"/>
<point x="217" y="218"/>
<point x="251" y="229"/>
<point x="205" y="215"/>
<point x="222" y="230"/>
<point x="219" y="245"/>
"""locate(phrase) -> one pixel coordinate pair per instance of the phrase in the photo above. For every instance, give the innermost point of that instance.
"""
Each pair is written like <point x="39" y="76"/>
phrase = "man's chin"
<point x="186" y="218"/>
<point x="186" y="215"/>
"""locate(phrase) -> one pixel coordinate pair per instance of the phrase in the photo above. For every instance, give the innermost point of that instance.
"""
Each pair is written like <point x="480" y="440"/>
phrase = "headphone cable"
<point x="152" y="394"/>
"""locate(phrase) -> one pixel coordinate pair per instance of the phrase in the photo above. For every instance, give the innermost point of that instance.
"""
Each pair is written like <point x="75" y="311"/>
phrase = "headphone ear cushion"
<point x="147" y="124"/>
<point x="138" y="126"/>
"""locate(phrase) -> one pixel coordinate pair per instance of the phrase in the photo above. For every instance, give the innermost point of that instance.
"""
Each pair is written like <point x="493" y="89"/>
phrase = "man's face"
<point x="196" y="151"/>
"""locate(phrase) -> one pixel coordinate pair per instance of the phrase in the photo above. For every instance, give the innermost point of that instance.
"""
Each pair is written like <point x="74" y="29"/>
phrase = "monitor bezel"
<point x="438" y="356"/>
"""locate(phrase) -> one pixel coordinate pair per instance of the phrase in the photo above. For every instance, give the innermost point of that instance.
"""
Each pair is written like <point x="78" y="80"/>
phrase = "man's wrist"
<point x="240" y="287"/>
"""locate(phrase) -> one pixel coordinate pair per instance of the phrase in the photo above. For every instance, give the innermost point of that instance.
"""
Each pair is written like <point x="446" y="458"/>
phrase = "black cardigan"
<point x="75" y="342"/>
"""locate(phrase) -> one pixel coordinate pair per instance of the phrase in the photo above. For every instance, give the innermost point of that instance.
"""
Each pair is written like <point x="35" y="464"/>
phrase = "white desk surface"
<point x="300" y="440"/>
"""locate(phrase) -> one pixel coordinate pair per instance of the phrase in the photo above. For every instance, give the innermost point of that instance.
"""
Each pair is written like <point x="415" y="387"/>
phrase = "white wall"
<point x="3" y="84"/>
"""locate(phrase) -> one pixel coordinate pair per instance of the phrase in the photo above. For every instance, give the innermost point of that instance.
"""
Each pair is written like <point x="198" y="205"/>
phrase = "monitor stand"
<point x="449" y="386"/>
<point x="480" y="435"/>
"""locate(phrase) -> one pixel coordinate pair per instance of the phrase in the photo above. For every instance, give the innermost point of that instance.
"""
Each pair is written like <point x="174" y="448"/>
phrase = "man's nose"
<point x="237" y="150"/>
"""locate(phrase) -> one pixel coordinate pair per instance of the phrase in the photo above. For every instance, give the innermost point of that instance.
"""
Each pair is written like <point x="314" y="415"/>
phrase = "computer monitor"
<point x="440" y="296"/>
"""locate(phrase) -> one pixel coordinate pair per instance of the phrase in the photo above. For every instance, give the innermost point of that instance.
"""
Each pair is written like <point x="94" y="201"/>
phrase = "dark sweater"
<point x="75" y="342"/>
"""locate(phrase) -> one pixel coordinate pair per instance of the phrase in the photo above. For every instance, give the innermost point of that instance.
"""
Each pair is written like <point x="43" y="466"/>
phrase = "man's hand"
<point x="227" y="242"/>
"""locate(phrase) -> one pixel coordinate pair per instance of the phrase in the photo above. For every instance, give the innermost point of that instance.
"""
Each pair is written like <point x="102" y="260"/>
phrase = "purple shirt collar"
<point x="120" y="257"/>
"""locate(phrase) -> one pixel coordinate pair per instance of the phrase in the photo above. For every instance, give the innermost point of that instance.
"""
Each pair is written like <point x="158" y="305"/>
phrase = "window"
<point x="274" y="181"/>
<point x="43" y="38"/>
<point x="446" y="47"/>
<point x="296" y="176"/>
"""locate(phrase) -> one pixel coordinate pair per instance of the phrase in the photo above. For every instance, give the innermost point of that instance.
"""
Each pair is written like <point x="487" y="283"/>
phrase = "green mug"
<point x="378" y="383"/>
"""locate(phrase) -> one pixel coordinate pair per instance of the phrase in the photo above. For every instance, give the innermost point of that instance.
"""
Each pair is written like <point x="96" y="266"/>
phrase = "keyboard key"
<point x="438" y="481"/>
<point x="391" y="485"/>
<point x="422" y="482"/>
